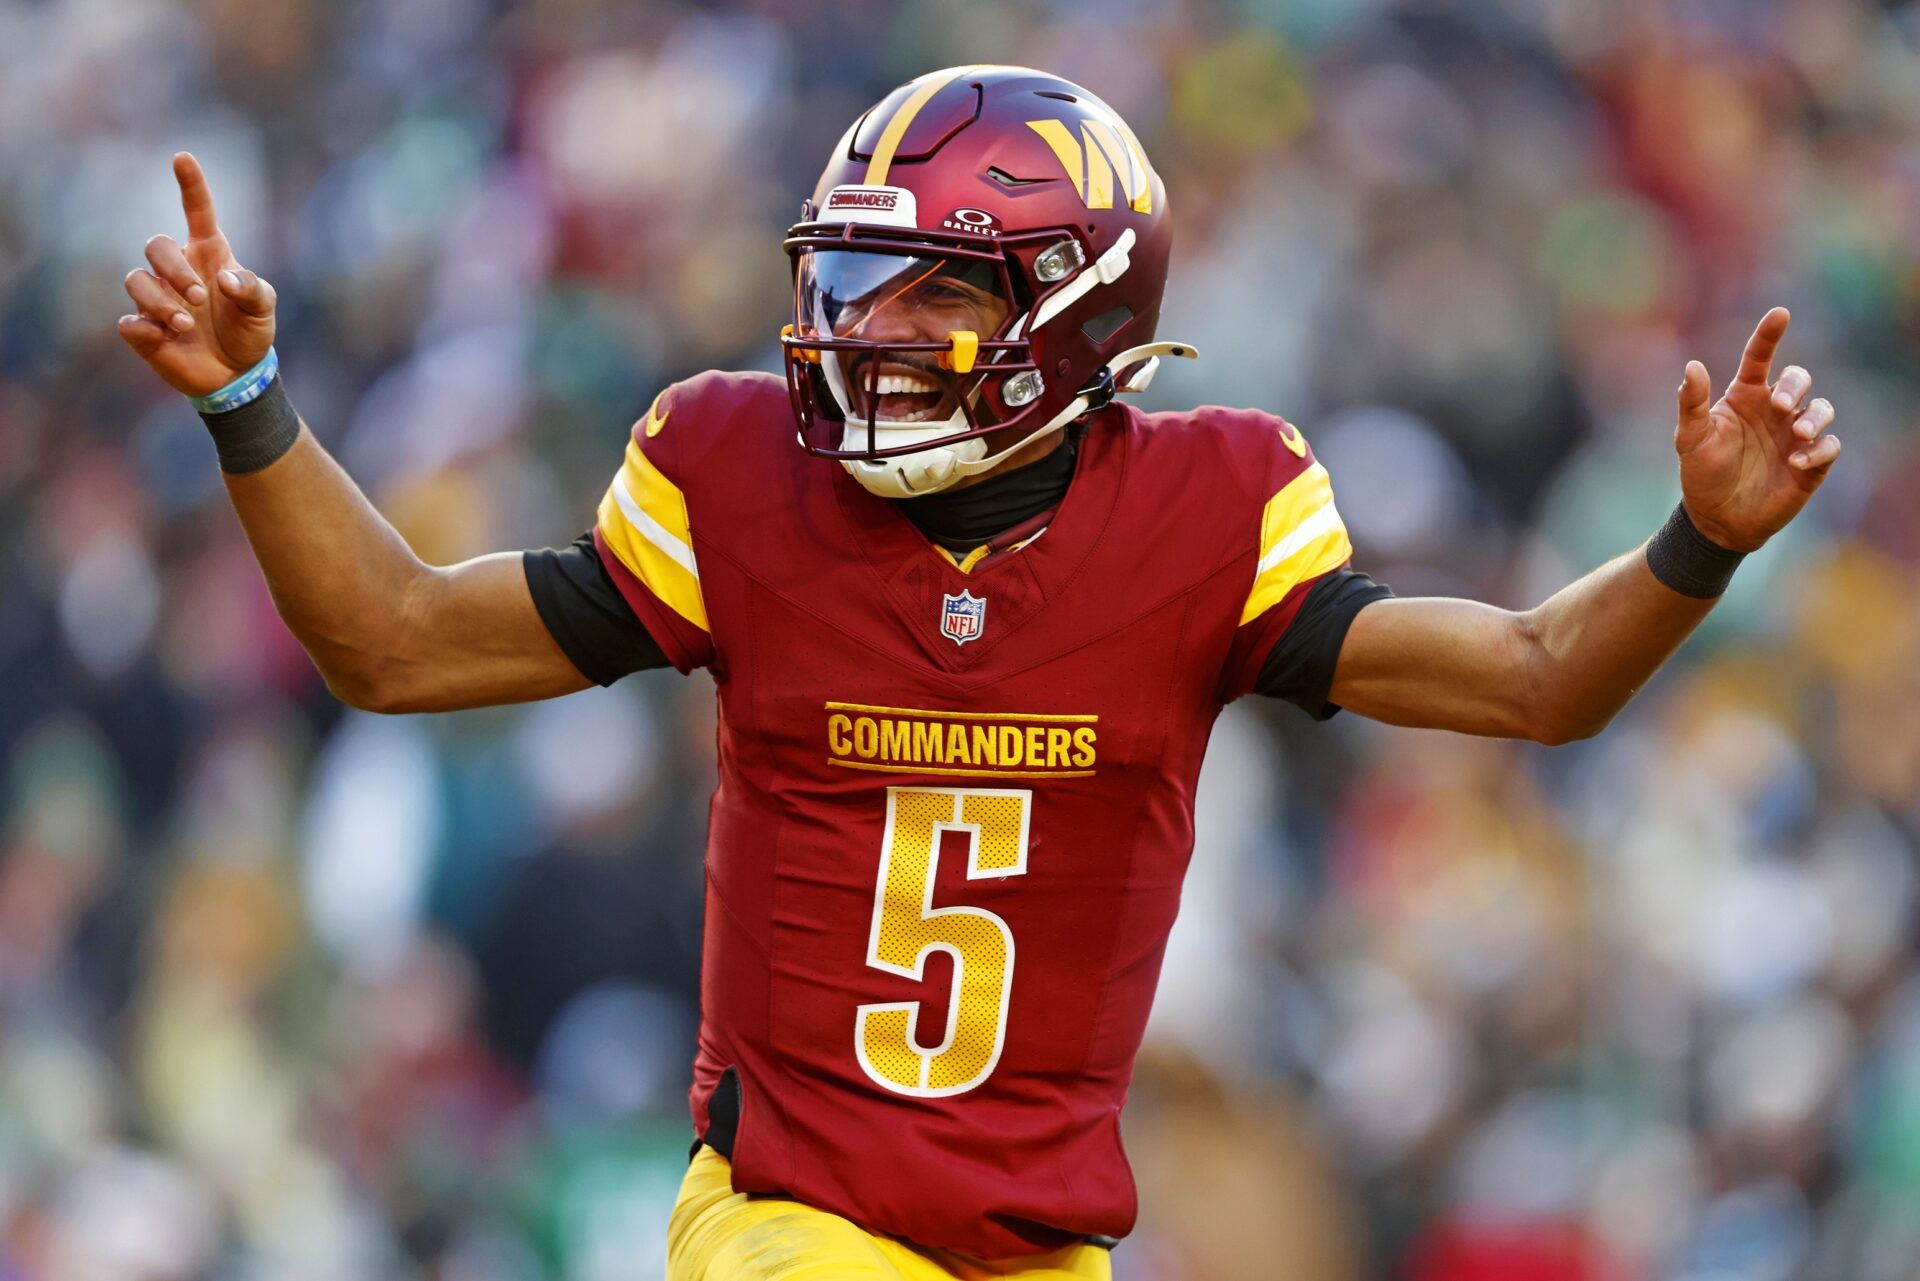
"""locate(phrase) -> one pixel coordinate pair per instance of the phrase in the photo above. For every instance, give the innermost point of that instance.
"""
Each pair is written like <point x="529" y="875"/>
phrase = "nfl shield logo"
<point x="962" y="617"/>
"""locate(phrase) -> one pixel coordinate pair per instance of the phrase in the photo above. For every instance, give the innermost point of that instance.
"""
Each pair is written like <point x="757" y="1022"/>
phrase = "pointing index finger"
<point x="195" y="197"/>
<point x="1756" y="363"/>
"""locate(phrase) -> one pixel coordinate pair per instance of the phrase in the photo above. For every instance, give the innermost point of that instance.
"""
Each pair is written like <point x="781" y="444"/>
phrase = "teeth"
<point x="906" y="385"/>
<point x="907" y="420"/>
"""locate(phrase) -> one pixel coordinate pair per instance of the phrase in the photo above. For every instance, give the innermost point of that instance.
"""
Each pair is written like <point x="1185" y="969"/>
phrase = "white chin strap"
<point x="928" y="471"/>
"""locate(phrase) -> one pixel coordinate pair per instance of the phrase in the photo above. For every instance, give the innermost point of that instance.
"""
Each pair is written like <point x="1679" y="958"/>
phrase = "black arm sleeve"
<point x="589" y="618"/>
<point x="1299" y="668"/>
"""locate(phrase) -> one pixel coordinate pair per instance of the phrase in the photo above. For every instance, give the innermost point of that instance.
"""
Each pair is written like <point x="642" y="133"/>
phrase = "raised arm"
<point x="387" y="632"/>
<point x="1748" y="464"/>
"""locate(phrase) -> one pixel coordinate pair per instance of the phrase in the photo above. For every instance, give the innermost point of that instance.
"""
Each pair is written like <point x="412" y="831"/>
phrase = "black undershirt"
<point x="596" y="628"/>
<point x="963" y="519"/>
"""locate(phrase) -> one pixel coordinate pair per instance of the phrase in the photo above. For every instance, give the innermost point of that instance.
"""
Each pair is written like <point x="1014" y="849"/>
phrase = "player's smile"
<point x="909" y="392"/>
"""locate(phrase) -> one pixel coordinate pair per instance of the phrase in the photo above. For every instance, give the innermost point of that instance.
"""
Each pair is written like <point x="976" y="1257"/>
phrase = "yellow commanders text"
<point x="910" y="740"/>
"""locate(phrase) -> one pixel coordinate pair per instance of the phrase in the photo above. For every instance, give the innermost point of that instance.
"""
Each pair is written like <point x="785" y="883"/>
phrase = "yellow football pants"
<point x="717" y="1234"/>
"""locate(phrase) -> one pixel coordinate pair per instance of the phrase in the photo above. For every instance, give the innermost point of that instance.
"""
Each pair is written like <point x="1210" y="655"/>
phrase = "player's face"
<point x="891" y="298"/>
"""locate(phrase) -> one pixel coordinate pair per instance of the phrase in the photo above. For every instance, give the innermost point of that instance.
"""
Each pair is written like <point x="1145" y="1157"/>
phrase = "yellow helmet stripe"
<point x="1066" y="148"/>
<point x="897" y="127"/>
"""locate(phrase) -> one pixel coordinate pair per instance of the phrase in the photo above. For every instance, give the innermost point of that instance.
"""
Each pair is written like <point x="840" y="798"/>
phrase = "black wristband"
<point x="256" y="434"/>
<point x="1689" y="562"/>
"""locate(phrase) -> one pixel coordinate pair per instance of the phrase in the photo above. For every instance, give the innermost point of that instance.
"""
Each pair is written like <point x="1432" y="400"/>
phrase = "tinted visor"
<point x="846" y="293"/>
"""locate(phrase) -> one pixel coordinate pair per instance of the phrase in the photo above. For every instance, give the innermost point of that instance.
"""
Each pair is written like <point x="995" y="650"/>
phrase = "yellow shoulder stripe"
<point x="1301" y="537"/>
<point x="643" y="517"/>
<point x="883" y="151"/>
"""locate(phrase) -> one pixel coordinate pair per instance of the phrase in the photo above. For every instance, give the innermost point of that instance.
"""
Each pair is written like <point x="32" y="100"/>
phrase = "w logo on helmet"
<point x="1103" y="161"/>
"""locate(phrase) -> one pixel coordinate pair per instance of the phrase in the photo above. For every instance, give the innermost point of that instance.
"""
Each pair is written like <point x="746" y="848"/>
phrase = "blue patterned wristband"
<point x="245" y="389"/>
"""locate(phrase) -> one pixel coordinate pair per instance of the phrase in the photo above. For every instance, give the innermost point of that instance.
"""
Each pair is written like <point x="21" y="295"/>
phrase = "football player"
<point x="968" y="636"/>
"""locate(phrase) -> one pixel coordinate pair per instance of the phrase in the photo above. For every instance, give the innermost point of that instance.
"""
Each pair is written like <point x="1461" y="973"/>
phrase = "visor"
<point x="845" y="291"/>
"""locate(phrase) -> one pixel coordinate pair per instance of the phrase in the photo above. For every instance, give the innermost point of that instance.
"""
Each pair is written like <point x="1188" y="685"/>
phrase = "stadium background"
<point x="291" y="992"/>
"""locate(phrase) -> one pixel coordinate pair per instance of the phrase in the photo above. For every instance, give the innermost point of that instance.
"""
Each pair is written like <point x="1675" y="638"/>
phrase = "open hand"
<point x="1749" y="462"/>
<point x="204" y="319"/>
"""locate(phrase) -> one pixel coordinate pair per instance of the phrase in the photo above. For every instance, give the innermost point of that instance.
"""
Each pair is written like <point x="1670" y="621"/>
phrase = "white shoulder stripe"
<point x="1326" y="519"/>
<point x="652" y="530"/>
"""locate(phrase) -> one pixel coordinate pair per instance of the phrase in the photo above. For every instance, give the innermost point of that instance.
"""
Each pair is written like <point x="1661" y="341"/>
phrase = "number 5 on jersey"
<point x="907" y="928"/>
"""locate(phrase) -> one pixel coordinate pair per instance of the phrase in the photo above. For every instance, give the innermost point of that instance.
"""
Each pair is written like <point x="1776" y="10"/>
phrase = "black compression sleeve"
<point x="1299" y="668"/>
<point x="589" y="618"/>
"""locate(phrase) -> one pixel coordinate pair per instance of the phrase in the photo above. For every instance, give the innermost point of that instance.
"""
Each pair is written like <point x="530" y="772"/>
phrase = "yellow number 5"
<point x="907" y="928"/>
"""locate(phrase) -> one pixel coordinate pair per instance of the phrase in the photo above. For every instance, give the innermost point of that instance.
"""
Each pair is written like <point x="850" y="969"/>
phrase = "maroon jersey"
<point x="954" y="808"/>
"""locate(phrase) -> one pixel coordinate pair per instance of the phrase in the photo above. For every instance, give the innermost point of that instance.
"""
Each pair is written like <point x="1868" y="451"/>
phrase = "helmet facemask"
<point x="891" y="298"/>
<point x="908" y="350"/>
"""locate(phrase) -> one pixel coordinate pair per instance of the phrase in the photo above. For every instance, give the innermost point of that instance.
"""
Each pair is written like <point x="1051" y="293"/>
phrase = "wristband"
<point x="257" y="433"/>
<point x="242" y="390"/>
<point x="1687" y="561"/>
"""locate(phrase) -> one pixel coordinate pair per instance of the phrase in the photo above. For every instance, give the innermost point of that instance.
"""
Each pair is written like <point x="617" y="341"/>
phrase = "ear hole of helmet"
<point x="1105" y="325"/>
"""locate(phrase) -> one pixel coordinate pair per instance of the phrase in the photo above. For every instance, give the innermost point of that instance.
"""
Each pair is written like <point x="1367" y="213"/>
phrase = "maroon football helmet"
<point x="985" y="253"/>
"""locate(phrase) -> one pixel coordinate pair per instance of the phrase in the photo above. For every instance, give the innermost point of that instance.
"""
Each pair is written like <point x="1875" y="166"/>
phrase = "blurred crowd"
<point x="289" y="992"/>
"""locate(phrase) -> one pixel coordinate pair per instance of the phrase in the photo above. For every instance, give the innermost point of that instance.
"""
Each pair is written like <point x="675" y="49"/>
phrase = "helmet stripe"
<point x="897" y="127"/>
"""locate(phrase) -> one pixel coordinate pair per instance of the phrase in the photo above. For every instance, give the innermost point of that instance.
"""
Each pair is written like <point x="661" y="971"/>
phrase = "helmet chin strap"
<point x="931" y="470"/>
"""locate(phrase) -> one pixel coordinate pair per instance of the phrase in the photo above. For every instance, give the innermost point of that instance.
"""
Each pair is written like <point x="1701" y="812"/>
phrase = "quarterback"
<point x="968" y="637"/>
